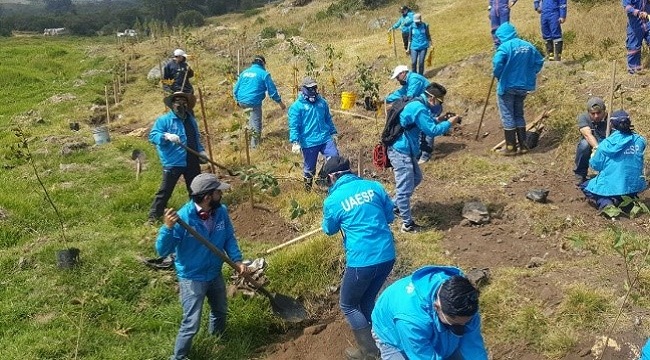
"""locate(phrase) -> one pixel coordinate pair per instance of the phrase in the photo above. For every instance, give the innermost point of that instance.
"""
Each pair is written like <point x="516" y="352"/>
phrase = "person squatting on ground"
<point x="169" y="131"/>
<point x="197" y="268"/>
<point x="419" y="43"/>
<point x="515" y="65"/>
<point x="413" y="84"/>
<point x="499" y="14"/>
<point x="593" y="128"/>
<point x="177" y="74"/>
<point x="416" y="117"/>
<point x="311" y="129"/>
<point x="553" y="14"/>
<point x="249" y="92"/>
<point x="619" y="162"/>
<point x="638" y="30"/>
<point x="362" y="210"/>
<point x="404" y="23"/>
<point x="430" y="314"/>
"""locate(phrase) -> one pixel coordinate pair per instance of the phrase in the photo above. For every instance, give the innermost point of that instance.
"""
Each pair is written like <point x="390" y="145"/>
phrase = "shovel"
<point x="284" y="306"/>
<point x="192" y="151"/>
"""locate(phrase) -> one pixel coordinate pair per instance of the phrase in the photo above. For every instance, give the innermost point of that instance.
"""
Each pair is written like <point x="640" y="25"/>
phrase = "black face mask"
<point x="180" y="110"/>
<point x="458" y="330"/>
<point x="402" y="82"/>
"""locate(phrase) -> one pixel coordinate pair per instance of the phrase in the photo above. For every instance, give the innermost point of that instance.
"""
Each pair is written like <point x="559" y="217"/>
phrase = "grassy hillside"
<point x="112" y="307"/>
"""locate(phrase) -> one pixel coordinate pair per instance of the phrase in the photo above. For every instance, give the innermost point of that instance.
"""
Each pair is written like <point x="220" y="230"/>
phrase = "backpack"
<point x="392" y="131"/>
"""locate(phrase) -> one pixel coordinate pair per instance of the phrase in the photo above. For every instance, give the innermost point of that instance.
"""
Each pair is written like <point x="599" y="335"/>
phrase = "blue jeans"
<point x="254" y="123"/>
<point x="170" y="176"/>
<point x="389" y="352"/>
<point x="511" y="107"/>
<point x="426" y="156"/>
<point x="417" y="60"/>
<point x="310" y="156"/>
<point x="192" y="294"/>
<point x="583" y="154"/>
<point x="407" y="177"/>
<point x="359" y="290"/>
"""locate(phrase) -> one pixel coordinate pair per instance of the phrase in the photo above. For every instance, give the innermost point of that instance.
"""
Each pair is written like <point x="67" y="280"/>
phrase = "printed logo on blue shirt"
<point x="357" y="199"/>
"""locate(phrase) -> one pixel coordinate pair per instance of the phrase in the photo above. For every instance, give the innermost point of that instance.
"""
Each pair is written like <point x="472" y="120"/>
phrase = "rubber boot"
<point x="511" y="143"/>
<point x="521" y="139"/>
<point x="367" y="349"/>
<point x="557" y="46"/>
<point x="549" y="50"/>
<point x="308" y="182"/>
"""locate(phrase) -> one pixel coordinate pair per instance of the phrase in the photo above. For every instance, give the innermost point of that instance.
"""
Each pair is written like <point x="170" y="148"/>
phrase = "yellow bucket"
<point x="347" y="100"/>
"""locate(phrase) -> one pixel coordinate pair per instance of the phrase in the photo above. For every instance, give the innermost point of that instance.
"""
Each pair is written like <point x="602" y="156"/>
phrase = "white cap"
<point x="417" y="17"/>
<point x="180" y="52"/>
<point x="398" y="70"/>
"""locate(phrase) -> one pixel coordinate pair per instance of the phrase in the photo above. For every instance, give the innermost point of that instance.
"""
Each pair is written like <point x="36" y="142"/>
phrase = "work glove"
<point x="295" y="148"/>
<point x="335" y="139"/>
<point x="172" y="137"/>
<point x="203" y="157"/>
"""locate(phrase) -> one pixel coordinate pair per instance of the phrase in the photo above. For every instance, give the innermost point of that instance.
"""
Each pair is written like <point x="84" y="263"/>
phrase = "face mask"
<point x="458" y="330"/>
<point x="310" y="94"/>
<point x="180" y="109"/>
<point x="402" y="82"/>
<point x="435" y="109"/>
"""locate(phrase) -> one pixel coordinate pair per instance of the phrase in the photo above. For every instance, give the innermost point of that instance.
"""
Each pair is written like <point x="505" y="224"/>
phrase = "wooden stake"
<point x="119" y="86"/>
<point x="248" y="162"/>
<point x="126" y="69"/>
<point x="352" y="114"/>
<point x="484" y="107"/>
<point x="115" y="90"/>
<point x="108" y="114"/>
<point x="294" y="240"/>
<point x="611" y="97"/>
<point x="394" y="45"/>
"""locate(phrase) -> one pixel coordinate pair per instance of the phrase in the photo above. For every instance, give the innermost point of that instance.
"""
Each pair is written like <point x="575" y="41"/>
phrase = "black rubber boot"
<point x="511" y="143"/>
<point x="367" y="349"/>
<point x="557" y="46"/>
<point x="549" y="50"/>
<point x="521" y="139"/>
<point x="308" y="182"/>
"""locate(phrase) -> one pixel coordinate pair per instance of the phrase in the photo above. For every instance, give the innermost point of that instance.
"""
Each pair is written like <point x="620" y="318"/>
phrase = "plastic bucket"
<point x="101" y="135"/>
<point x="68" y="258"/>
<point x="347" y="100"/>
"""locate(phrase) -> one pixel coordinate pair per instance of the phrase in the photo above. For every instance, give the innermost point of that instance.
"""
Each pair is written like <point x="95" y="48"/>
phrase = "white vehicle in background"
<point x="127" y="32"/>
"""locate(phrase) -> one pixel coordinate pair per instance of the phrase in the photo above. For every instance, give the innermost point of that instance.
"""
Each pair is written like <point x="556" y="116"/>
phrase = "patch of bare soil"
<point x="260" y="224"/>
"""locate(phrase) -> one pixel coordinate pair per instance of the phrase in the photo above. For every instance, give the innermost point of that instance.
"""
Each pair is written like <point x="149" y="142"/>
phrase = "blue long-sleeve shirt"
<point x="404" y="22"/>
<point x="310" y="124"/>
<point x="252" y="86"/>
<point x="171" y="154"/>
<point x="415" y="86"/>
<point x="516" y="62"/>
<point x="551" y="7"/>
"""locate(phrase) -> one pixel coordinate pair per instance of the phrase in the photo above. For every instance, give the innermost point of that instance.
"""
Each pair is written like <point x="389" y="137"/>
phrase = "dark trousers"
<point x="405" y="39"/>
<point x="170" y="176"/>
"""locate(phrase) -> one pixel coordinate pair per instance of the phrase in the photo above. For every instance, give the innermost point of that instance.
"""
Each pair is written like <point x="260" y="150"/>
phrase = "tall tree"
<point x="59" y="6"/>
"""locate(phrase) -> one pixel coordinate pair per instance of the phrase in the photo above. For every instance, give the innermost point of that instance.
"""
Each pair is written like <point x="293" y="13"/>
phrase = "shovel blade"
<point x="289" y="309"/>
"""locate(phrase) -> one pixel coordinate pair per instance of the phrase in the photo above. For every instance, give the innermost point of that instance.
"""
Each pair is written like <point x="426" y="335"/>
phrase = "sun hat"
<point x="398" y="70"/>
<point x="169" y="99"/>
<point x="417" y="18"/>
<point x="308" y="82"/>
<point x="180" y="52"/>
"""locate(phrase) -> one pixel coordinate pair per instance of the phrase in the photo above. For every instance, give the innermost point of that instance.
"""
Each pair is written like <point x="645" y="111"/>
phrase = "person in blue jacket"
<point x="430" y="314"/>
<point x="592" y="125"/>
<point x="620" y="165"/>
<point x="169" y="131"/>
<point x="413" y="84"/>
<point x="249" y="92"/>
<point x="499" y="14"/>
<point x="311" y="130"/>
<point x="515" y="65"/>
<point x="404" y="23"/>
<point x="637" y="32"/>
<point x="645" y="352"/>
<point x="197" y="268"/>
<point x="177" y="74"/>
<point x="362" y="211"/>
<point x="553" y="15"/>
<point x="417" y="116"/>
<point x="419" y="43"/>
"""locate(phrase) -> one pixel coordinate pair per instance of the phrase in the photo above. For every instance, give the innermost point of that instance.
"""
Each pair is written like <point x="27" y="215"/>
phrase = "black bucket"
<point x="68" y="258"/>
<point x="369" y="104"/>
<point x="532" y="139"/>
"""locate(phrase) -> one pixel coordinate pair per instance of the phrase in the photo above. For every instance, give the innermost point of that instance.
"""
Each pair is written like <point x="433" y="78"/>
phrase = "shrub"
<point x="190" y="18"/>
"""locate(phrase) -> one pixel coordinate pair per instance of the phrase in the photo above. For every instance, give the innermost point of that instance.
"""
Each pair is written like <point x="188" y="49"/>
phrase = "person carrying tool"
<point x="430" y="314"/>
<point x="638" y="30"/>
<point x="593" y="128"/>
<point x="311" y="130"/>
<point x="499" y="14"/>
<point x="619" y="160"/>
<point x="515" y="65"/>
<point x="413" y="84"/>
<point x="169" y="131"/>
<point x="419" y="43"/>
<point x="250" y="90"/>
<point x="177" y="74"/>
<point x="553" y="15"/>
<point x="362" y="210"/>
<point x="197" y="268"/>
<point x="404" y="23"/>
<point x="417" y="116"/>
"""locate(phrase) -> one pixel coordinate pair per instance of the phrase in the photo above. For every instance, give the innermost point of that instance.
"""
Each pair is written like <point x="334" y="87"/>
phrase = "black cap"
<point x="335" y="164"/>
<point x="436" y="90"/>
<point x="260" y="60"/>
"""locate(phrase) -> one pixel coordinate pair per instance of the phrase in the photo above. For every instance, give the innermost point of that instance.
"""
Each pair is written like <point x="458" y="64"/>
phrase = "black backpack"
<point x="393" y="129"/>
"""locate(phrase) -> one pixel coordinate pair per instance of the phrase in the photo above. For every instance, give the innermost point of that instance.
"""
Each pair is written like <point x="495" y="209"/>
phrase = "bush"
<point x="191" y="18"/>
<point x="268" y="32"/>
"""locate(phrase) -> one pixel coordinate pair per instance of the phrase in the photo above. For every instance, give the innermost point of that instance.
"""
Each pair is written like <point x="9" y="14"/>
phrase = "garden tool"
<point x="222" y="167"/>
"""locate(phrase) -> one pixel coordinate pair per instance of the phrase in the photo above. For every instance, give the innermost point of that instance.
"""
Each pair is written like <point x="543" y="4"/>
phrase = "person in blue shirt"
<point x="413" y="84"/>
<point x="176" y="127"/>
<point x="645" y="352"/>
<point x="419" y="43"/>
<point x="499" y="14"/>
<point x="619" y="160"/>
<point x="553" y="15"/>
<point x="250" y="90"/>
<point x="592" y="125"/>
<point x="431" y="314"/>
<point x="311" y="130"/>
<point x="515" y="65"/>
<point x="404" y="23"/>
<point x="637" y="32"/>
<point x="417" y="116"/>
<point x="197" y="268"/>
<point x="362" y="211"/>
<point x="177" y="74"/>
